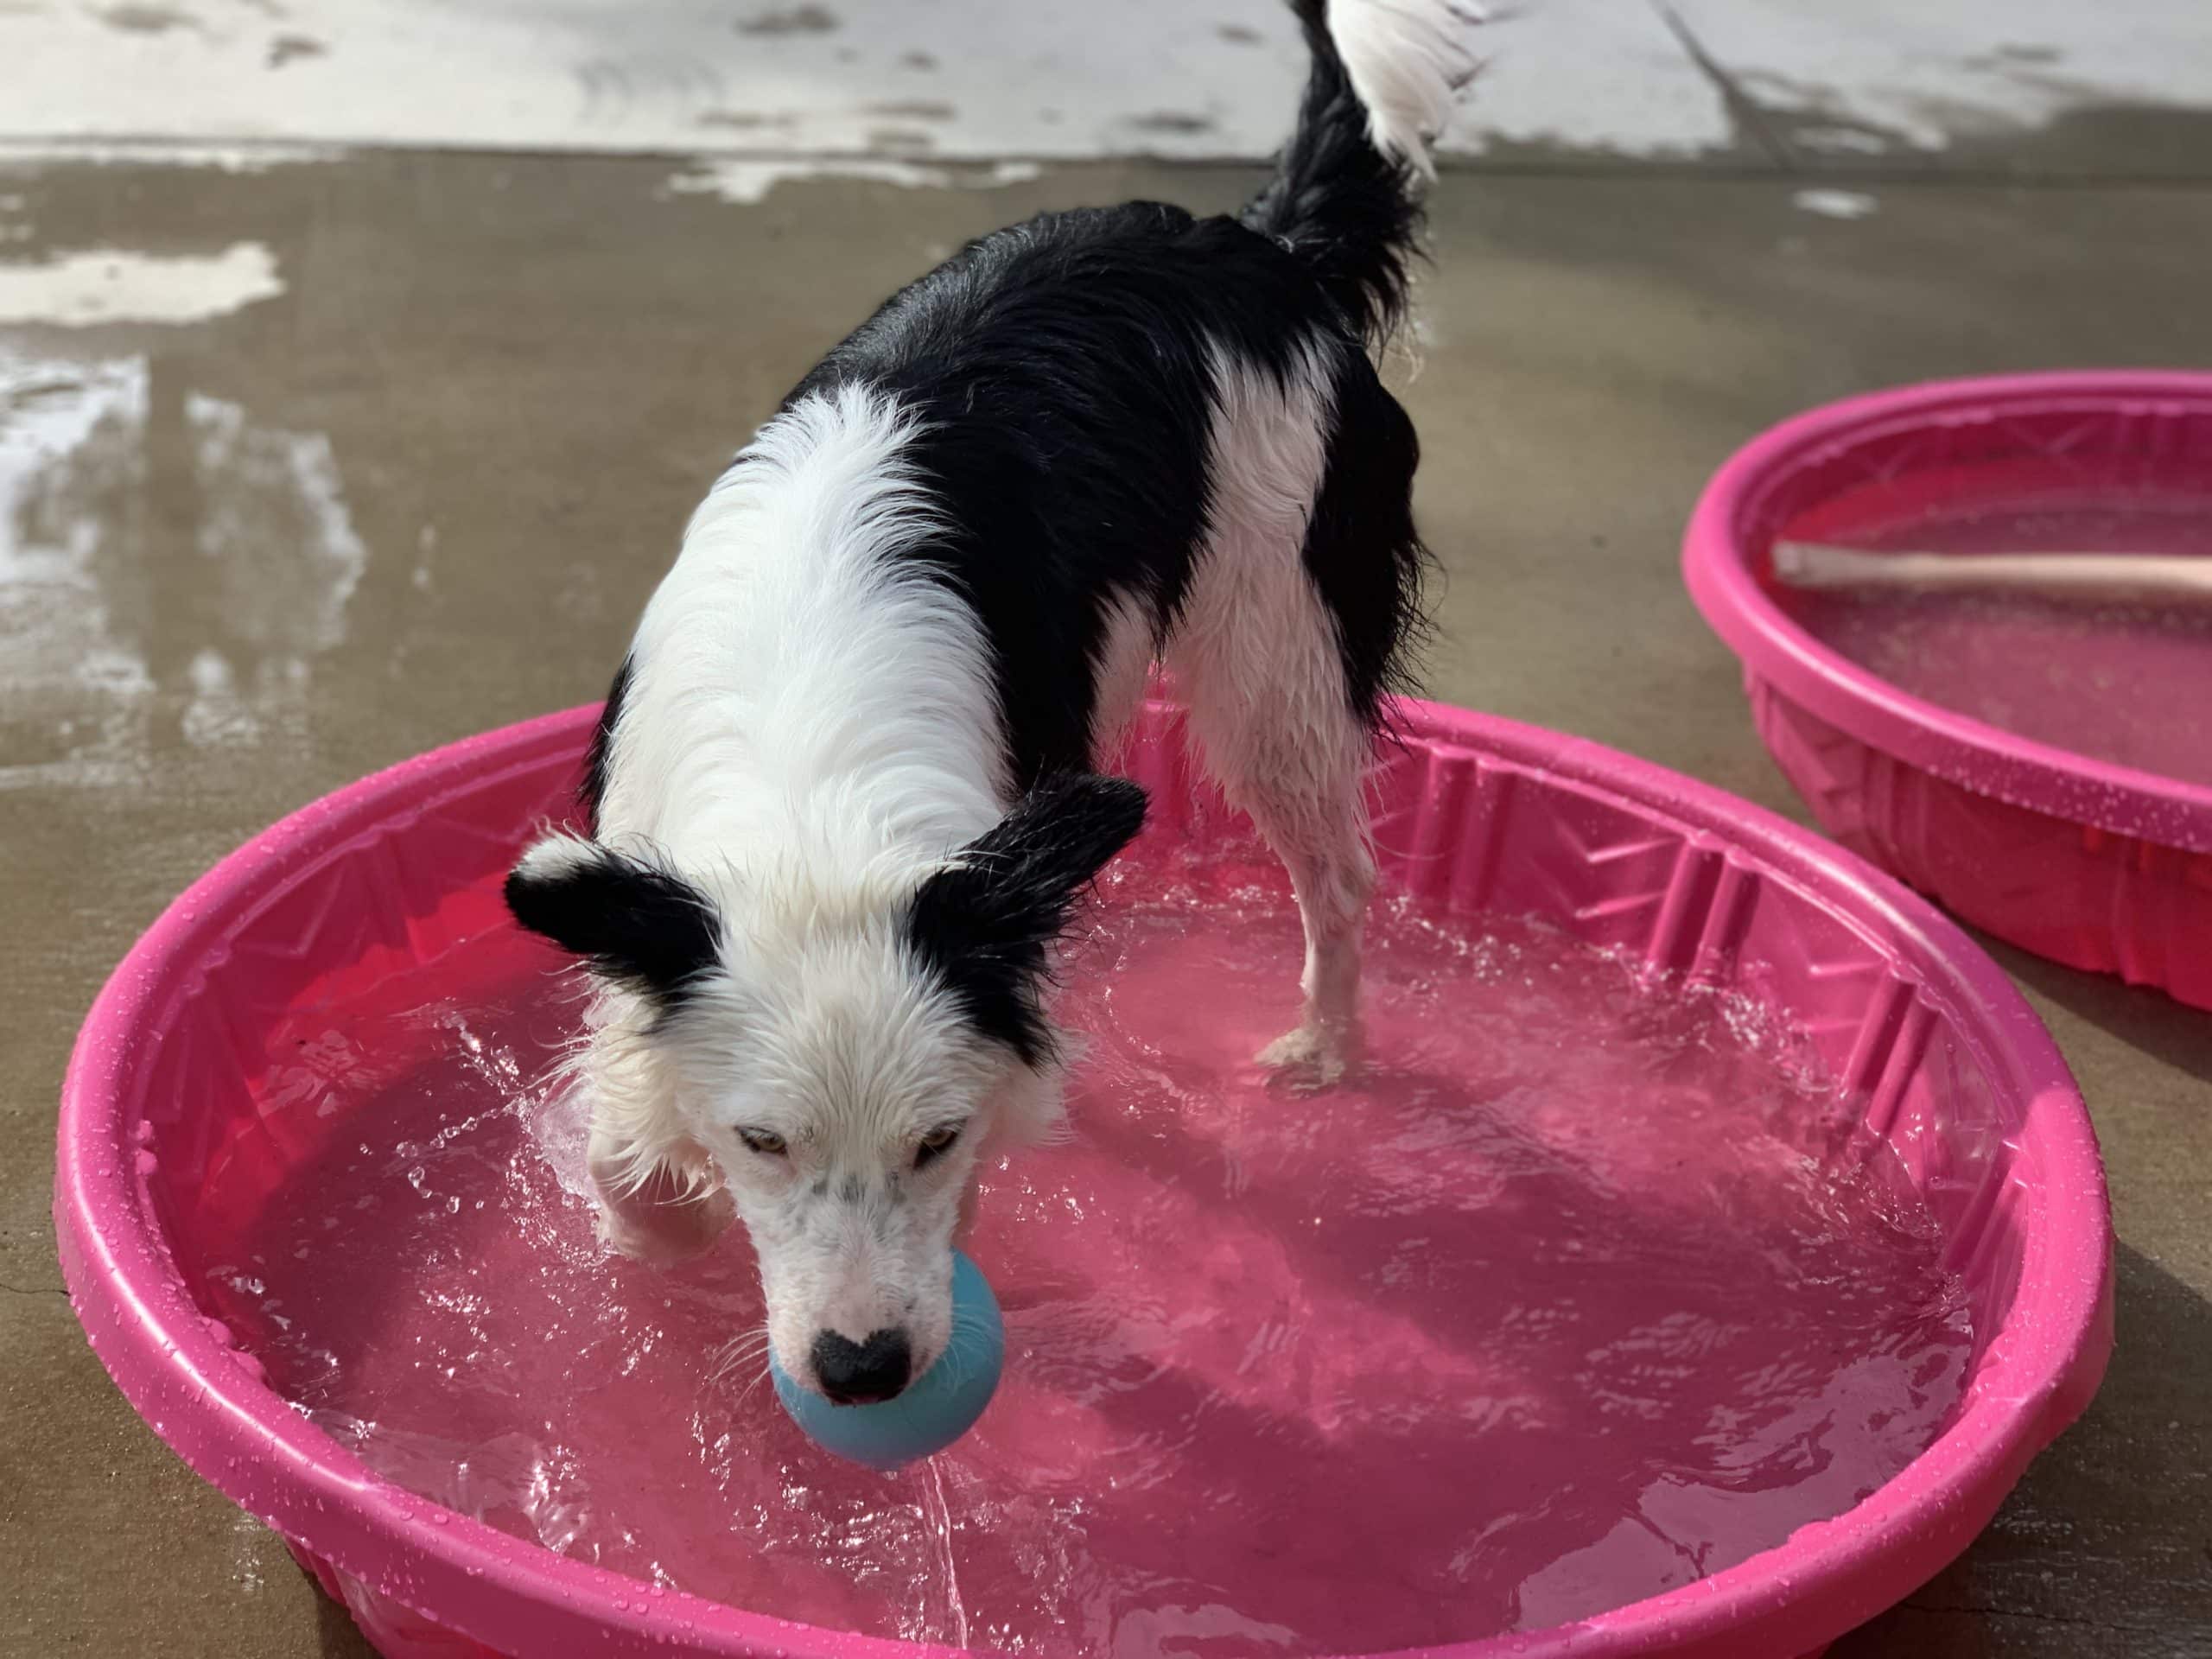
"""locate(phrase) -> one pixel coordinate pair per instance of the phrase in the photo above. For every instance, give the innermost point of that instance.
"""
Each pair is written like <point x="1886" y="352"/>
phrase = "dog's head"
<point x="843" y="1050"/>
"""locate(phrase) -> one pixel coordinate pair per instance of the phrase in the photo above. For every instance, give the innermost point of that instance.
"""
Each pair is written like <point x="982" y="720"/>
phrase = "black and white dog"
<point x="842" y="797"/>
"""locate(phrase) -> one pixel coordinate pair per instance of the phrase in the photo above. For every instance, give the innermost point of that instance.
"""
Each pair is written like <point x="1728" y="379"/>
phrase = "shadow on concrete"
<point x="337" y="1635"/>
<point x="2147" y="1020"/>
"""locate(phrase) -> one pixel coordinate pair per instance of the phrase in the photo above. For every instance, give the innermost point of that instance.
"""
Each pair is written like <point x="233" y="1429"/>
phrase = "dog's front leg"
<point x="675" y="1211"/>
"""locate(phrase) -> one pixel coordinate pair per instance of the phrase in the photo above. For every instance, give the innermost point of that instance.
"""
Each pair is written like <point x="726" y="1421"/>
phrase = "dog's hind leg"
<point x="1276" y="717"/>
<point x="1274" y="728"/>
<point x="1300" y="606"/>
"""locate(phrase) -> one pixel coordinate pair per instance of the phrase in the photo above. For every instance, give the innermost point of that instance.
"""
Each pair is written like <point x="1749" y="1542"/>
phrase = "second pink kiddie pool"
<point x="303" y="1191"/>
<point x="2039" y="763"/>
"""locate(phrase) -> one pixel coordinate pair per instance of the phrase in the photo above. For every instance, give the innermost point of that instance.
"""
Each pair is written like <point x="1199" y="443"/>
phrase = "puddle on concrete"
<point x="29" y="157"/>
<point x="81" y="287"/>
<point x="146" y="20"/>
<point x="746" y="180"/>
<point x="1836" y="204"/>
<point x="287" y="49"/>
<point x="912" y="109"/>
<point x="170" y="567"/>
<point x="1170" y="120"/>
<point x="793" y="20"/>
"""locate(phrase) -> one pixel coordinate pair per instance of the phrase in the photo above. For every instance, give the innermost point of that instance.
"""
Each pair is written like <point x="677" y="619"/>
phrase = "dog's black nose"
<point x="862" y="1373"/>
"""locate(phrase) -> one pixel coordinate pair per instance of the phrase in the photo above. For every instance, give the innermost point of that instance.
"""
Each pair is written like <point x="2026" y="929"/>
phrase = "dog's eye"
<point x="935" y="1145"/>
<point x="761" y="1140"/>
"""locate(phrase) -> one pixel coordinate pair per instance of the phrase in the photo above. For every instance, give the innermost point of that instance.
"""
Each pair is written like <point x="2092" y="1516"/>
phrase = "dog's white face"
<point x="845" y="1050"/>
<point x="846" y="1100"/>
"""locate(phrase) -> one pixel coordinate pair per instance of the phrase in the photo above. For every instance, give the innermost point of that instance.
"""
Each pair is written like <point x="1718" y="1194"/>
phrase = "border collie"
<point x="844" y="797"/>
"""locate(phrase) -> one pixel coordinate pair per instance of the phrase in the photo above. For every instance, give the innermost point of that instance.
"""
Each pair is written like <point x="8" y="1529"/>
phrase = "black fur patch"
<point x="592" y="790"/>
<point x="1361" y="551"/>
<point x="1063" y="372"/>
<point x="983" y="925"/>
<point x="640" y="927"/>
<point x="1338" y="202"/>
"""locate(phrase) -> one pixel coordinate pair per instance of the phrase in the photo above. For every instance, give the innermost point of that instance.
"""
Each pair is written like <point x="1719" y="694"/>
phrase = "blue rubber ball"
<point x="936" y="1410"/>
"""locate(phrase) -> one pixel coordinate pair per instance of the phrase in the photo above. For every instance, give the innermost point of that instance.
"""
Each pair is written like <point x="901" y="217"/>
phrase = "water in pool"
<point x="2123" y="681"/>
<point x="2119" y="681"/>
<point x="1578" y="1291"/>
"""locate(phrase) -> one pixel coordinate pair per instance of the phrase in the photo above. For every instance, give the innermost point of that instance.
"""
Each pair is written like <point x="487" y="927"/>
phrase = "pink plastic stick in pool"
<point x="2095" y="863"/>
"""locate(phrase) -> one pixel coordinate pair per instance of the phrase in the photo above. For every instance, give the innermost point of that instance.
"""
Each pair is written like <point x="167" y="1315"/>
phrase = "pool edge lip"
<point x="1983" y="758"/>
<point x="227" y="1425"/>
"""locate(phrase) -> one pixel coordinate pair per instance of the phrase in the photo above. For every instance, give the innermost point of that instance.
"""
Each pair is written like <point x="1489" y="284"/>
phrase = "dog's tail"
<point x="1346" y="195"/>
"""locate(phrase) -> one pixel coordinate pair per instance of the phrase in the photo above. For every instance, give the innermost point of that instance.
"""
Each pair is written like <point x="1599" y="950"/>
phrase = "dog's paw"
<point x="1312" y="1055"/>
<point x="666" y="1234"/>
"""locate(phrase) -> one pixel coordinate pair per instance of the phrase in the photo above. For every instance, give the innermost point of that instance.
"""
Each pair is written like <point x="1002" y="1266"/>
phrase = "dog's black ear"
<point x="984" y="923"/>
<point x="640" y="925"/>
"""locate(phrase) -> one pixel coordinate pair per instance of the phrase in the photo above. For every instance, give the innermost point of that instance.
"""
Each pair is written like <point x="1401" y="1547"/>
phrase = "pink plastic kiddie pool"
<point x="198" y="1086"/>
<point x="2042" y="766"/>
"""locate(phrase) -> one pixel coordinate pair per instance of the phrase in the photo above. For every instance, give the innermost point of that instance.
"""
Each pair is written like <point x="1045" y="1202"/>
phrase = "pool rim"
<point x="1718" y="565"/>
<point x="176" y="1367"/>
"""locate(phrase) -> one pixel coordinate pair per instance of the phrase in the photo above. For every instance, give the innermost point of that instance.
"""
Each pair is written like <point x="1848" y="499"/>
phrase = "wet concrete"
<point x="422" y="488"/>
<point x="1920" y="84"/>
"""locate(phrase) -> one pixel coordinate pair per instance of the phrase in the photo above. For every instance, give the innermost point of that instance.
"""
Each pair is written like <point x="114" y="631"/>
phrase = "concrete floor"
<point x="1895" y="83"/>
<point x="400" y="441"/>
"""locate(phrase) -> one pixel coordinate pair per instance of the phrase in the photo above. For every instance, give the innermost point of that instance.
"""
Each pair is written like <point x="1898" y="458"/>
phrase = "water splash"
<point x="1577" y="1292"/>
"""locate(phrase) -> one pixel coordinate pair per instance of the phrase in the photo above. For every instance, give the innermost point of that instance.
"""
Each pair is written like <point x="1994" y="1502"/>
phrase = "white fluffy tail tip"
<point x="1408" y="60"/>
